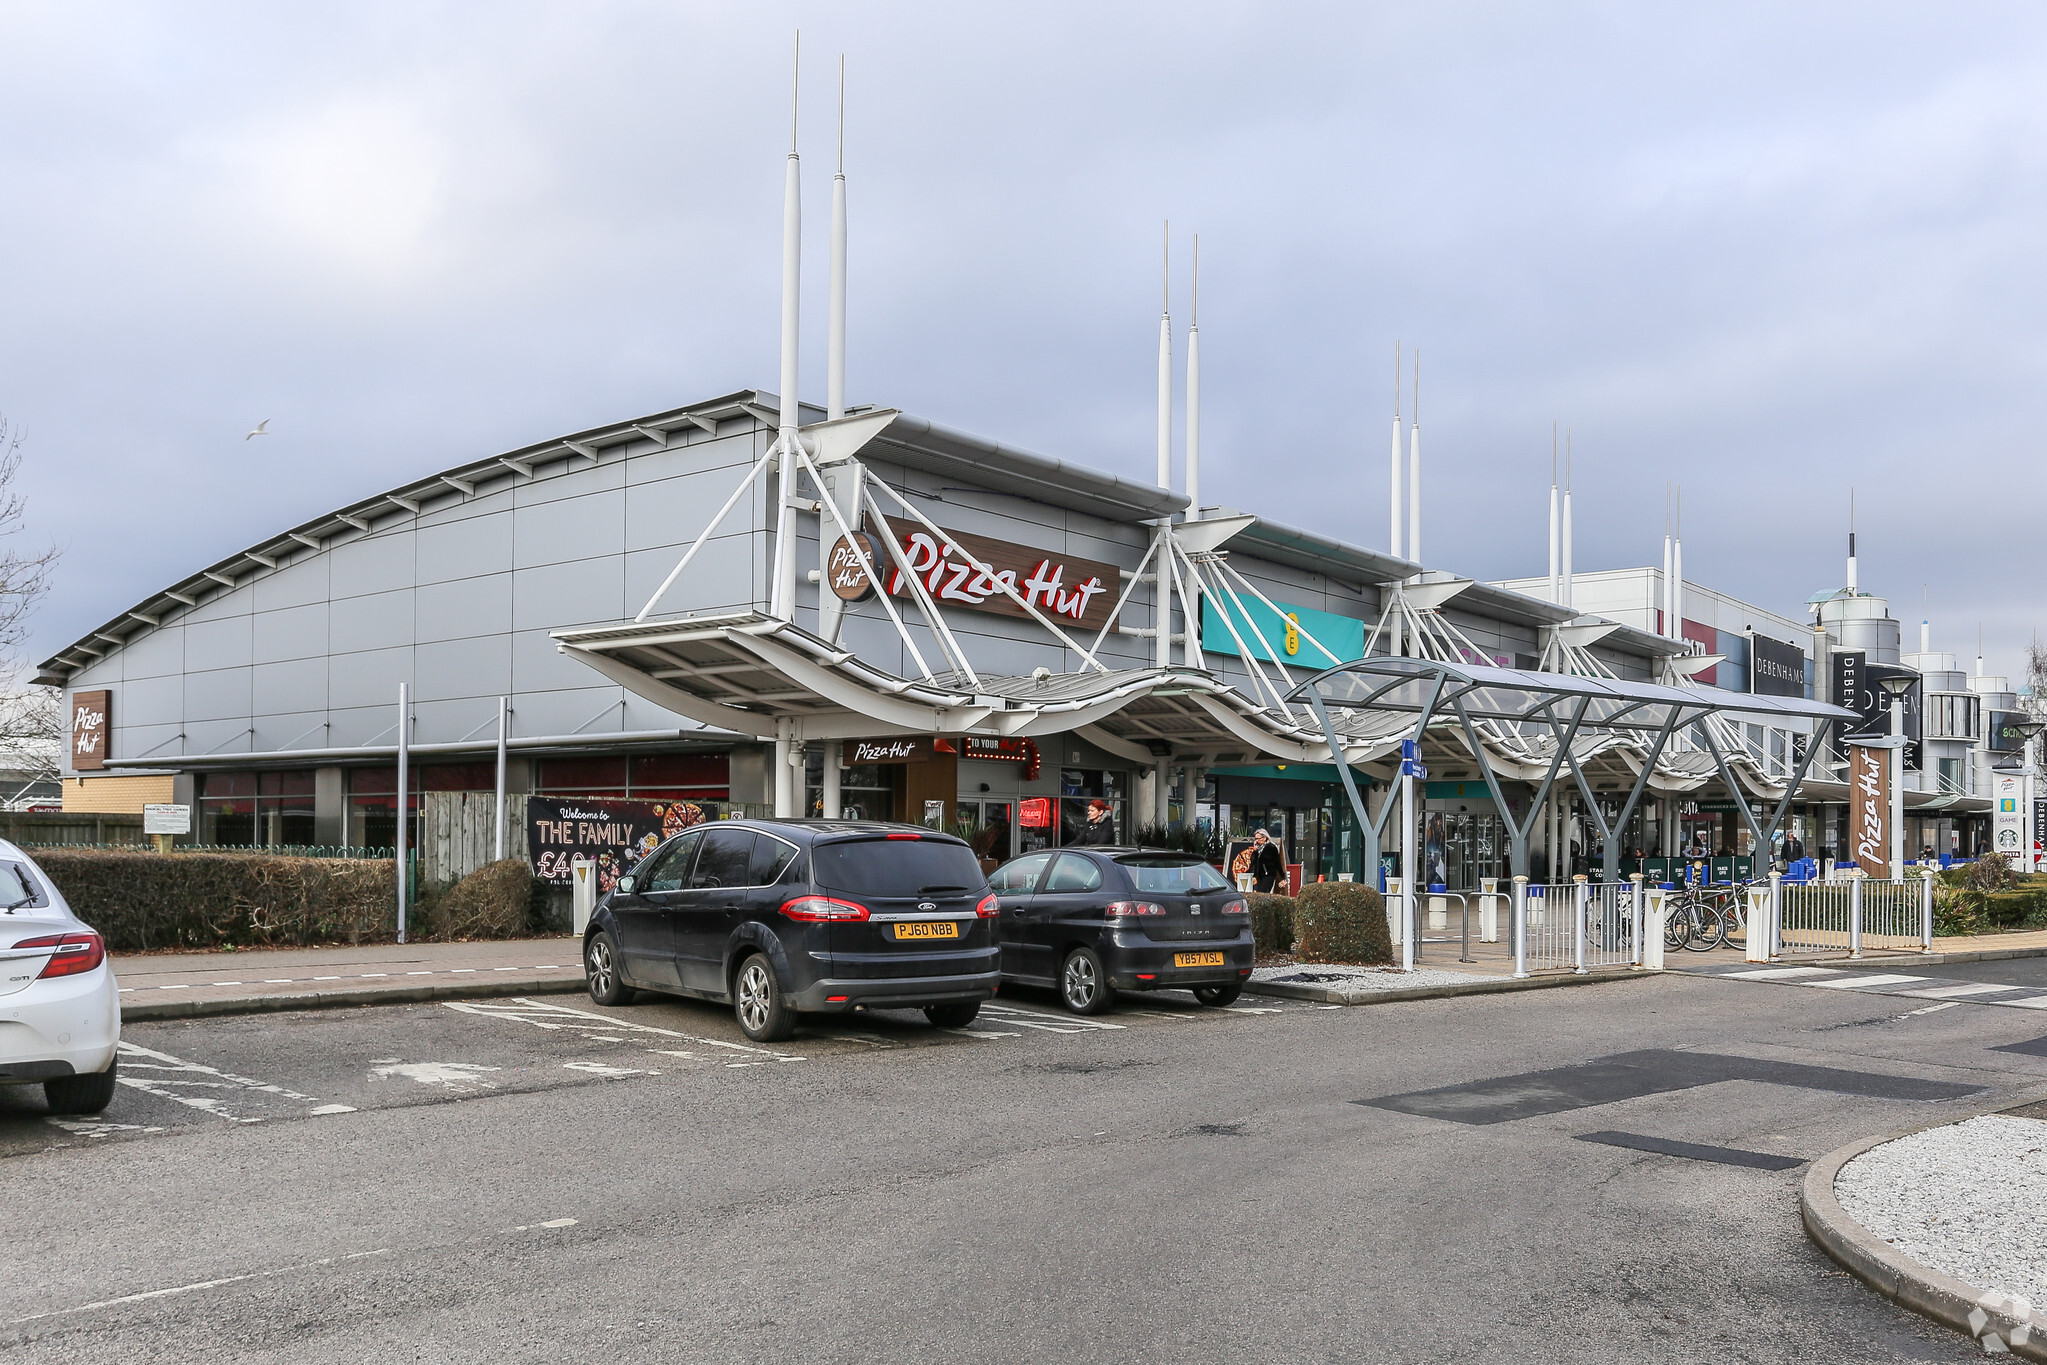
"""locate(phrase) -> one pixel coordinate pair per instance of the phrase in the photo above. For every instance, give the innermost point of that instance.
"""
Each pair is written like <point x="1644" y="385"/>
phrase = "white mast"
<point x="1926" y="618"/>
<point x="1663" y="589"/>
<point x="1166" y="364"/>
<point x="1194" y="393"/>
<point x="782" y="601"/>
<point x="1569" y="584"/>
<point x="1851" y="542"/>
<point x="1556" y="587"/>
<point x="835" y="360"/>
<point x="1414" y="470"/>
<point x="1396" y="508"/>
<point x="1677" y="568"/>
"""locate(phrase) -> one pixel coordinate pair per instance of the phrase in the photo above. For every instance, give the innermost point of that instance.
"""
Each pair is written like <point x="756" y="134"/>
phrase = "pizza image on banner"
<point x="613" y="834"/>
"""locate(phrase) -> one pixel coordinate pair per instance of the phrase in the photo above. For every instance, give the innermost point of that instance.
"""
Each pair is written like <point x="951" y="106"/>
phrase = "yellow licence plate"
<point x="935" y="928"/>
<point x="1197" y="959"/>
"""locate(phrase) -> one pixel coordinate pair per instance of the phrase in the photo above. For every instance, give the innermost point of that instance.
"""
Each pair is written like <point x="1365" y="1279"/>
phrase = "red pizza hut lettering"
<point x="996" y="576"/>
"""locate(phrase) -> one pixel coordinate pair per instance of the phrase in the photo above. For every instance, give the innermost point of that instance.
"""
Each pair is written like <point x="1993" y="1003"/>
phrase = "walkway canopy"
<point x="1537" y="726"/>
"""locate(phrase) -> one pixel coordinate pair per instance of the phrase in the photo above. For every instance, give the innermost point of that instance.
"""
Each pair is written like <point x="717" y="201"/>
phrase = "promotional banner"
<point x="1869" y="809"/>
<point x="2008" y="819"/>
<point x="613" y="834"/>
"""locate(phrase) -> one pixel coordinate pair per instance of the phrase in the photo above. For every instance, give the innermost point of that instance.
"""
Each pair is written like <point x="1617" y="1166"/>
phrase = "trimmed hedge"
<point x="1341" y="922"/>
<point x="1272" y="922"/>
<point x="139" y="901"/>
<point x="1977" y="899"/>
<point x="495" y="901"/>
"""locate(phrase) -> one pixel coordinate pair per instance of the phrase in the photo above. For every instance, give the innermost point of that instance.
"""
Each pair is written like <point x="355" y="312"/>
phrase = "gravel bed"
<point x="1965" y="1199"/>
<point x="1341" y="978"/>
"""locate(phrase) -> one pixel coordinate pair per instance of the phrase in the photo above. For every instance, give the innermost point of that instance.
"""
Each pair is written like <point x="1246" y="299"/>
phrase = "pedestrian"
<point x="1268" y="867"/>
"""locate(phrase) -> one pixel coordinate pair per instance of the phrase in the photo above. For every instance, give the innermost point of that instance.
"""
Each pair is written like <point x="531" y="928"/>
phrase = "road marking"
<point x="175" y="1077"/>
<point x="1780" y="973"/>
<point x="2032" y="1002"/>
<point x="559" y="1017"/>
<point x="1051" y="1023"/>
<point x="980" y="1033"/>
<point x="458" y="1076"/>
<point x="98" y="1128"/>
<point x="1966" y="988"/>
<point x="1928" y="1009"/>
<point x="204" y="1284"/>
<point x="599" y="1069"/>
<point x="236" y="983"/>
<point x="1858" y="980"/>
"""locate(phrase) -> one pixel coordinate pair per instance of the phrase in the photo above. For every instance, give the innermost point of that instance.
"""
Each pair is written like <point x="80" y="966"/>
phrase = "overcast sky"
<point x="1767" y="254"/>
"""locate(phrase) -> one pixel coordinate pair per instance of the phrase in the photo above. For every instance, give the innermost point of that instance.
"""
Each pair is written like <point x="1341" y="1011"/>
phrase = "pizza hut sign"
<point x="1066" y="588"/>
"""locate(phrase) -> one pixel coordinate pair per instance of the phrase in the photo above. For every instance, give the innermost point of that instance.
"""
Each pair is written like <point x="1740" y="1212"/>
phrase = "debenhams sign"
<point x="1066" y="588"/>
<point x="1775" y="668"/>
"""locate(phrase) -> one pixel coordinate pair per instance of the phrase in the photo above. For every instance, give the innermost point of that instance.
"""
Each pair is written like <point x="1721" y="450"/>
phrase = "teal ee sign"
<point x="1299" y="636"/>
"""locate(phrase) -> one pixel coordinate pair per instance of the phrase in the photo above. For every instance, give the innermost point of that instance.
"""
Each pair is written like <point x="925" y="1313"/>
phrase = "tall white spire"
<point x="1663" y="594"/>
<point x="782" y="594"/>
<point x="1926" y="618"/>
<point x="1569" y="583"/>
<point x="1397" y="501"/>
<point x="1556" y="563"/>
<point x="1165" y="470"/>
<point x="1677" y="565"/>
<point x="835" y="359"/>
<point x="1414" y="470"/>
<point x="1194" y="392"/>
<point x="1851" y="542"/>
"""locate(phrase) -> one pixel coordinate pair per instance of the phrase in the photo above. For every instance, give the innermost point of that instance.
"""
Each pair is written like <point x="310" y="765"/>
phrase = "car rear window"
<point x="19" y="887"/>
<point x="897" y="867"/>
<point x="1173" y="876"/>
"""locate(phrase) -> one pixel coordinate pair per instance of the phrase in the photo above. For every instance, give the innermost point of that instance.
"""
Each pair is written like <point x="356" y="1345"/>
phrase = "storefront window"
<point x="1091" y="807"/>
<point x="256" y="810"/>
<point x="866" y="791"/>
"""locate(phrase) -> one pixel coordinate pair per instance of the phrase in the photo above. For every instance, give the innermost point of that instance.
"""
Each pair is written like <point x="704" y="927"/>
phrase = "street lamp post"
<point x="2025" y="731"/>
<point x="1896" y="687"/>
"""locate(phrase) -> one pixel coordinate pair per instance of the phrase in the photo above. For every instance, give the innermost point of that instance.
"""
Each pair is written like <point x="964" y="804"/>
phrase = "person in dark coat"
<point x="1268" y="868"/>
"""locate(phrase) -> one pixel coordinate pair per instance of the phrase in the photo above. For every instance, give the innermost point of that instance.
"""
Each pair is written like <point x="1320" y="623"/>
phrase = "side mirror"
<point x="625" y="885"/>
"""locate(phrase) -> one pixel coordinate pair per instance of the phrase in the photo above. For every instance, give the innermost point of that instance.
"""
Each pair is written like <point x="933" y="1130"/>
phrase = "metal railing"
<point x="1577" y="925"/>
<point x="1850" y="915"/>
<point x="281" y="850"/>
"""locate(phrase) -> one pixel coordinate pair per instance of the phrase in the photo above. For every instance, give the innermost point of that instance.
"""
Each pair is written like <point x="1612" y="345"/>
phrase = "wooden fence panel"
<point x="458" y="832"/>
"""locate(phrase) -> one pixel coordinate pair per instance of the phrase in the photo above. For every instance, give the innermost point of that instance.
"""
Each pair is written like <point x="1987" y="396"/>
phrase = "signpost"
<point x="1869" y="809"/>
<point x="165" y="822"/>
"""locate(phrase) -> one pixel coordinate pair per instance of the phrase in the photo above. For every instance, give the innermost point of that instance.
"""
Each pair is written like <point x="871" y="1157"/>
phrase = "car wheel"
<point x="1219" y="995"/>
<point x="1083" y="985"/>
<point x="87" y="1094"/>
<point x="600" y="969"/>
<point x="952" y="1016"/>
<point x="757" y="1001"/>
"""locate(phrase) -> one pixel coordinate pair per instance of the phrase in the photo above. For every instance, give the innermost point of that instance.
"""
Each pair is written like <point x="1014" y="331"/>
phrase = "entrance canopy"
<point x="1537" y="725"/>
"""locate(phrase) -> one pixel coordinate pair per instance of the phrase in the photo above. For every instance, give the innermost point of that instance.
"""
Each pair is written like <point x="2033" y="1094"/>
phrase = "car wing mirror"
<point x="625" y="885"/>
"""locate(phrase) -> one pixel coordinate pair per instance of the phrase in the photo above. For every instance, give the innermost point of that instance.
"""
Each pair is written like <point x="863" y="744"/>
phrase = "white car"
<point x="60" y="1011"/>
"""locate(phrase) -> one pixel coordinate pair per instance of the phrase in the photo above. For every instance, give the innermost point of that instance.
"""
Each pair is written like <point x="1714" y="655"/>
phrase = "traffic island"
<point x="1343" y="984"/>
<point x="1943" y="1220"/>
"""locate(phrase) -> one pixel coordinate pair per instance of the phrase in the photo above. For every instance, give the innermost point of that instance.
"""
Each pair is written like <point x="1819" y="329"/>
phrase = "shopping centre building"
<point x="1010" y="679"/>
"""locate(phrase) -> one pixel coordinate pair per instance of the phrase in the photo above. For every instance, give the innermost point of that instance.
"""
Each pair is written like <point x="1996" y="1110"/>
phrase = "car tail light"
<point x="988" y="907"/>
<point x="72" y="953"/>
<point x="820" y="909"/>
<point x="1120" y="909"/>
<point x="902" y="836"/>
<point x="1237" y="908"/>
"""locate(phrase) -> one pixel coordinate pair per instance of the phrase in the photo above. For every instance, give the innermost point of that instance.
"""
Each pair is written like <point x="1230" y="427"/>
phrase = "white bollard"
<point x="1652" y="929"/>
<point x="1521" y="926"/>
<point x="583" y="892"/>
<point x="1395" y="920"/>
<point x="1489" y="910"/>
<point x="1439" y="912"/>
<point x="1761" y="932"/>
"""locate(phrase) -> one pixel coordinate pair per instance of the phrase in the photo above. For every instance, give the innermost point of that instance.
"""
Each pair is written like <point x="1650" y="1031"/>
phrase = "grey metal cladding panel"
<point x="480" y="543"/>
<point x="217" y="694"/>
<point x="290" y="633"/>
<point x="729" y="573"/>
<point x="294" y="585"/>
<point x="99" y="673"/>
<point x="367" y="678"/>
<point x="537" y="666"/>
<point x="155" y="653"/>
<point x="464" y="607"/>
<point x="136" y="741"/>
<point x="234" y="602"/>
<point x="293" y="686"/>
<point x="480" y="667"/>
<point x="380" y="621"/>
<point x="579" y="592"/>
<point x="376" y="563"/>
<point x="576" y="483"/>
<point x="216" y="737"/>
<point x="570" y="529"/>
<point x="588" y="710"/>
<point x="150" y="702"/>
<point x="351" y="726"/>
<point x="291" y="730"/>
<point x="449" y="721"/>
<point x="219" y="644"/>
<point x="672" y="512"/>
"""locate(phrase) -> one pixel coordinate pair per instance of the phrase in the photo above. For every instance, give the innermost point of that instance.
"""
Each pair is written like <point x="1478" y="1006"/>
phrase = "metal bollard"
<point x="1581" y="892"/>
<point x="1489" y="910"/>
<point x="1653" y="918"/>
<point x="583" y="892"/>
<point x="1636" y="897"/>
<point x="1520" y="926"/>
<point x="1926" y="913"/>
<point x="1855" y="918"/>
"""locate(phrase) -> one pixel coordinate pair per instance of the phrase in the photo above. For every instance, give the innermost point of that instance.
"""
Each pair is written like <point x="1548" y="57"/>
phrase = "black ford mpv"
<point x="782" y="917"/>
<point x="1091" y="922"/>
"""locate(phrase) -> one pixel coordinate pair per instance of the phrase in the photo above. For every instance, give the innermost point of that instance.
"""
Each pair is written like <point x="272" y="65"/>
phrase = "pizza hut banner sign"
<point x="613" y="834"/>
<point x="1067" y="589"/>
<point x="1869" y="809"/>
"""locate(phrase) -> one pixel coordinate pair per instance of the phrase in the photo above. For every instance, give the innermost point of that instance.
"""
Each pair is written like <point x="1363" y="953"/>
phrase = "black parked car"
<point x="791" y="916"/>
<point x="1091" y="922"/>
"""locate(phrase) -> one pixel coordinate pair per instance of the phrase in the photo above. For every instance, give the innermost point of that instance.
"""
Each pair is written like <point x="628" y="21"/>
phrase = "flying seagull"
<point x="262" y="429"/>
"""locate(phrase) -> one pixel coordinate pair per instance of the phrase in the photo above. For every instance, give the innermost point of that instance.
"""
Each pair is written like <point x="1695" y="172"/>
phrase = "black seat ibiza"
<point x="1091" y="922"/>
<point x="785" y="917"/>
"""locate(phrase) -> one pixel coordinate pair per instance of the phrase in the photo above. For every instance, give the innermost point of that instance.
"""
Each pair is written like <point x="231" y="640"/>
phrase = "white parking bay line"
<point x="173" y="1078"/>
<point x="597" y="1027"/>
<point x="1966" y="988"/>
<point x="1050" y="1023"/>
<point x="1781" y="973"/>
<point x="2031" y="1002"/>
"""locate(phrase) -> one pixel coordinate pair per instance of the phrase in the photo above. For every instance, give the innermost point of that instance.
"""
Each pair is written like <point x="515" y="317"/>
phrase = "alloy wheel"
<point x="1080" y="982"/>
<point x="753" y="996"/>
<point x="602" y="972"/>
